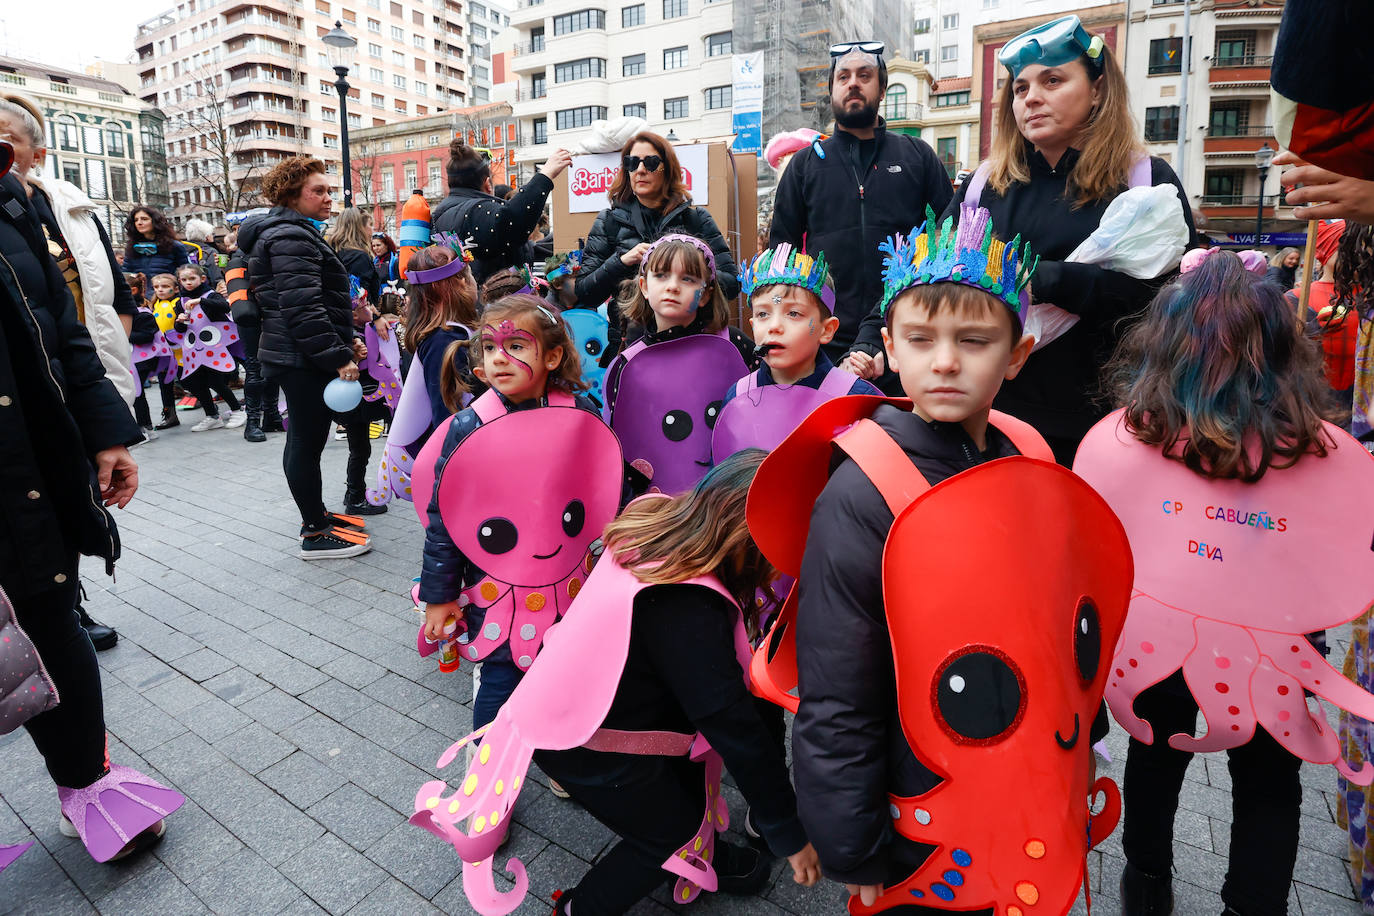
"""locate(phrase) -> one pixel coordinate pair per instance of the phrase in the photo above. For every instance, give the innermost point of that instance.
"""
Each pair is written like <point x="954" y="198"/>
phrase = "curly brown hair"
<point x="283" y="184"/>
<point x="164" y="234"/>
<point x="674" y="190"/>
<point x="1354" y="271"/>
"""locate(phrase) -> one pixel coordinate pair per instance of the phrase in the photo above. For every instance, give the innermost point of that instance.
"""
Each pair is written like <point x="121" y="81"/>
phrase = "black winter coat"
<point x="57" y="410"/>
<point x="849" y="201"/>
<point x="361" y="265"/>
<point x="301" y="289"/>
<point x="165" y="260"/>
<point x="621" y="227"/>
<point x="499" y="229"/>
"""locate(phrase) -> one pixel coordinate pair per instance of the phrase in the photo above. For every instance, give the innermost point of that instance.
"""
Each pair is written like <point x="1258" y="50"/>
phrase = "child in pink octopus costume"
<point x="637" y="699"/>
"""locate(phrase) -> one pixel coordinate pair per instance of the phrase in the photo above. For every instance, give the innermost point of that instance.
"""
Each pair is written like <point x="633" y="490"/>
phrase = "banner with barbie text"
<point x="590" y="177"/>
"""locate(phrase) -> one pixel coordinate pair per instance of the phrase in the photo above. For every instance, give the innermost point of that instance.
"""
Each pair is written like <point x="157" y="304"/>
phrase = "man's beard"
<point x="867" y="116"/>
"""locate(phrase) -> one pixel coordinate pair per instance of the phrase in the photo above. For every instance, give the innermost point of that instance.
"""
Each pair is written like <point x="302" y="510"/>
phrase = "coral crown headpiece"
<point x="969" y="254"/>
<point x="786" y="266"/>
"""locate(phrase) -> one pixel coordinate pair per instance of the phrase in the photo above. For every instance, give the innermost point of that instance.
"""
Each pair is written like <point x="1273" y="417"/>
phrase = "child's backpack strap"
<point x="976" y="182"/>
<point x="1025" y="437"/>
<point x="489" y="406"/>
<point x="1142" y="173"/>
<point x="557" y="397"/>
<point x="837" y="383"/>
<point x="884" y="463"/>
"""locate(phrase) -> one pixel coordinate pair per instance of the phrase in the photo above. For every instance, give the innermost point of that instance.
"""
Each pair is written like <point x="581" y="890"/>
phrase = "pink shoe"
<point x="115" y="810"/>
<point x="9" y="853"/>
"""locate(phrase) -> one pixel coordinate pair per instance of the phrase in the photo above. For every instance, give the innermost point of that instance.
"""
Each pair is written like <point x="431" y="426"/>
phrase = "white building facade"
<point x="943" y="29"/>
<point x="486" y="21"/>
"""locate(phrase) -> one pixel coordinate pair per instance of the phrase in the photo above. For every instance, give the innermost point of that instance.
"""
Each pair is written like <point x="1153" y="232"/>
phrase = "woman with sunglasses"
<point x="498" y="229"/>
<point x="648" y="201"/>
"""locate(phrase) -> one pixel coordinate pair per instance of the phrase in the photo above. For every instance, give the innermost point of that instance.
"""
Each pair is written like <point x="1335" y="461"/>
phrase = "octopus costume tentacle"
<point x="1220" y="595"/>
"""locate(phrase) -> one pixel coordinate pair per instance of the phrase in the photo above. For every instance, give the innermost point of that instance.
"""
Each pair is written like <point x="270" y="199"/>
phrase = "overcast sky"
<point x="73" y="33"/>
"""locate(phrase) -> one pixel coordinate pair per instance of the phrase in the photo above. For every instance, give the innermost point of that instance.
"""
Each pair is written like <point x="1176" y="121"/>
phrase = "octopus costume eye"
<point x="712" y="411"/>
<point x="979" y="695"/>
<point x="209" y="336"/>
<point x="593" y="347"/>
<point x="1087" y="639"/>
<point x="497" y="535"/>
<point x="677" y="425"/>
<point x="574" y="518"/>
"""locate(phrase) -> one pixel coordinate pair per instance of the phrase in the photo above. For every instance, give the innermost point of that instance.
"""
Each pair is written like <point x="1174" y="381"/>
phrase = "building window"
<point x="631" y="16"/>
<point x="119" y="183"/>
<point x="1224" y="187"/>
<point x="950" y="99"/>
<point x="398" y="59"/>
<point x="374" y="25"/>
<point x="398" y="33"/>
<point x="576" y="22"/>
<point x="355" y="120"/>
<point x="1166" y="55"/>
<point x="569" y="118"/>
<point x="541" y="131"/>
<point x="378" y="101"/>
<point x="398" y="81"/>
<point x="71" y="172"/>
<point x="374" y="50"/>
<point x="921" y="57"/>
<point x="93" y="141"/>
<point x="674" y="9"/>
<point x="433" y="181"/>
<point x="539" y="86"/>
<point x="328" y="114"/>
<point x="675" y="108"/>
<point x="636" y="110"/>
<point x="894" y="105"/>
<point x="990" y="4"/>
<point x="479" y="31"/>
<point x="114" y="140"/>
<point x="388" y="184"/>
<point x="536" y="39"/>
<point x="1229" y="120"/>
<point x="1234" y="49"/>
<point x="1161" y="123"/>
<point x="633" y="65"/>
<point x="949" y="52"/>
<point x="922" y="26"/>
<point x="719" y="43"/>
<point x="718" y="97"/>
<point x="331" y="141"/>
<point x="401" y="109"/>
<point x="675" y="58"/>
<point x="947" y="148"/>
<point x="412" y="175"/>
<point x="584" y="68"/>
<point x="421" y="88"/>
<point x="417" y="40"/>
<point x="949" y="21"/>
<point x="375" y="75"/>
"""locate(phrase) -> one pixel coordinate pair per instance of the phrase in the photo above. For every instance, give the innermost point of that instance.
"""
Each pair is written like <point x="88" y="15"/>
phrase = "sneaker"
<point x="190" y="402"/>
<point x="340" y="434"/>
<point x="235" y="419"/>
<point x="375" y="429"/>
<point x="557" y="790"/>
<point x="144" y="840"/>
<point x="149" y="434"/>
<point x="333" y="544"/>
<point x="351" y="522"/>
<point x="208" y="423"/>
<point x="741" y="870"/>
<point x="1144" y="894"/>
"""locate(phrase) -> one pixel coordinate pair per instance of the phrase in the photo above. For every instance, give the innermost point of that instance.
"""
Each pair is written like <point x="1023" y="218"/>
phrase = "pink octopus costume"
<point x="1229" y="576"/>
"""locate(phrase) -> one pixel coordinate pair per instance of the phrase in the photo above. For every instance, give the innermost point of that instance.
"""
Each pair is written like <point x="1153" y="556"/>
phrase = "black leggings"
<point x="70" y="736"/>
<point x="259" y="393"/>
<point x="356" y="424"/>
<point x="1266" y="796"/>
<point x="142" y="372"/>
<point x="203" y="381"/>
<point x="307" y="432"/>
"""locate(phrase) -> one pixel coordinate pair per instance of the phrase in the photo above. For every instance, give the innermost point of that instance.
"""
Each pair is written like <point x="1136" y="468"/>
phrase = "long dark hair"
<point x="1354" y="271"/>
<point x="1219" y="376"/>
<point x="164" y="235"/>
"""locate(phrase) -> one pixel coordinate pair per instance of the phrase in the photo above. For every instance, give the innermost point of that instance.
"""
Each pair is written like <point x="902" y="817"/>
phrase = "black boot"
<point x="355" y="503"/>
<point x="252" y="430"/>
<point x="1145" y="895"/>
<point x="102" y="637"/>
<point x="169" y="419"/>
<point x="741" y="870"/>
<point x="272" y="422"/>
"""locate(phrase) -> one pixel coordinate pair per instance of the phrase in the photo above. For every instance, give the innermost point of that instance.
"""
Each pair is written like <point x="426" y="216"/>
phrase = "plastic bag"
<point x="1142" y="234"/>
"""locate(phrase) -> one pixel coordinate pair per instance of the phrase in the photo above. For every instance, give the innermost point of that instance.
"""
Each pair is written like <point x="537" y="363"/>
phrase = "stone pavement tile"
<point x="277" y="709"/>
<point x="251" y="653"/>
<point x="154" y="891"/>
<point x="304" y="906"/>
<point x="1191" y="899"/>
<point x="1204" y="799"/>
<point x="320" y="737"/>
<point x="1328" y="872"/>
<point x="124" y="654"/>
<point x="423" y="749"/>
<point x="145" y="730"/>
<point x="145" y="673"/>
<point x="301" y="779"/>
<point x="1189" y="827"/>
<point x="195" y="842"/>
<point x="203" y="665"/>
<point x="244" y="883"/>
<point x="355" y="816"/>
<point x="382" y="725"/>
<point x="236" y="686"/>
<point x="297" y="643"/>
<point x="456" y="686"/>
<point x="446" y="716"/>
<point x="293" y="676"/>
<point x="354" y="670"/>
<point x="178" y="695"/>
<point x="418" y="859"/>
<point x="392" y="898"/>
<point x="275" y="829"/>
<point x="1322" y="836"/>
<point x="1196" y="866"/>
<point x="35" y="883"/>
<point x="827" y="897"/>
<point x="216" y="719"/>
<point x="93" y="878"/>
<point x="566" y="823"/>
<point x="254" y="748"/>
<point x="333" y="873"/>
<point x="556" y="869"/>
<point x="1317" y="902"/>
<point x="337" y="700"/>
<point x="399" y="693"/>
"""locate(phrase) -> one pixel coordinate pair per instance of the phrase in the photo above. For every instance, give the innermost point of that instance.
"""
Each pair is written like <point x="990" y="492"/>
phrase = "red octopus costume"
<point x="1040" y="603"/>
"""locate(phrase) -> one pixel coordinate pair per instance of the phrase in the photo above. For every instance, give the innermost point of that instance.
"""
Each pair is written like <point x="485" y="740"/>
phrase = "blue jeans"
<point x="499" y="679"/>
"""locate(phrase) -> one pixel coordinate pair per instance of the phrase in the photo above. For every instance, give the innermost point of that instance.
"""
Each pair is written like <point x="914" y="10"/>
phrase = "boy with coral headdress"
<point x="889" y="611"/>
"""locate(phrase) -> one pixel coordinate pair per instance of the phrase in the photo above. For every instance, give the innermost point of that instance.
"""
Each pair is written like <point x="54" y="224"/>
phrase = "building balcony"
<point x="1237" y="206"/>
<point x="528" y="11"/>
<point x="527" y="59"/>
<point x="260" y="140"/>
<point x="1239" y="71"/>
<point x="262" y="25"/>
<point x="1243" y="140"/>
<point x="254" y="85"/>
<point x="259" y="52"/>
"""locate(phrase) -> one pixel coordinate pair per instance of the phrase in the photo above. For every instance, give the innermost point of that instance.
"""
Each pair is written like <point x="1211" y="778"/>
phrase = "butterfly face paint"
<point x="509" y="356"/>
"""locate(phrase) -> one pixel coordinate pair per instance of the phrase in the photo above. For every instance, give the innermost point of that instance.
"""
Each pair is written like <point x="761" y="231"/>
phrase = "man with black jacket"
<point x="847" y="194"/>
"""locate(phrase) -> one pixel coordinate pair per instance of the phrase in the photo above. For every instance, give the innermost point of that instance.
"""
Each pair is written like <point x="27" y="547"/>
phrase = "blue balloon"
<point x="342" y="396"/>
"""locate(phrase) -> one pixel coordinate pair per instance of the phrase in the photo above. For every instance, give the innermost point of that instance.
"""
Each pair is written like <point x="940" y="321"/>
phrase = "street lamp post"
<point x="1263" y="157"/>
<point x="341" y="50"/>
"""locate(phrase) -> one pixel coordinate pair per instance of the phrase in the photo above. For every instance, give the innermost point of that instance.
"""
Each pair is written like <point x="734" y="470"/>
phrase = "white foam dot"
<point x="492" y="631"/>
<point x="956" y="683"/>
<point x="527" y="631"/>
<point x="922" y="816"/>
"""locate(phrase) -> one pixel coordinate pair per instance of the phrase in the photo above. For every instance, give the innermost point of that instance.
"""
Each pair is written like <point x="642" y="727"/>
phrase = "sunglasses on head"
<point x="650" y="163"/>
<point x="867" y="47"/>
<point x="483" y="152"/>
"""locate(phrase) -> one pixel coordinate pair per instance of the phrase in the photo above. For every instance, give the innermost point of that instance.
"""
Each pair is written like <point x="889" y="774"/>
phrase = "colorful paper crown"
<point x="1052" y="44"/>
<point x="970" y="255"/>
<point x="786" y="266"/>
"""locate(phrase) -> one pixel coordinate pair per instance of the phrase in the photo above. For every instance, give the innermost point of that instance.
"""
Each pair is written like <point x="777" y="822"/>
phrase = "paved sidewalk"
<point x="286" y="700"/>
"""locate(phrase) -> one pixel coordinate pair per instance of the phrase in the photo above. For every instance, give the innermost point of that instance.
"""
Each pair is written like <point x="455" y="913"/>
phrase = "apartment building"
<point x="943" y="29"/>
<point x="101" y="138"/>
<point x="486" y="21"/>
<point x="1229" y="113"/>
<point x="246" y="83"/>
<point x="390" y="161"/>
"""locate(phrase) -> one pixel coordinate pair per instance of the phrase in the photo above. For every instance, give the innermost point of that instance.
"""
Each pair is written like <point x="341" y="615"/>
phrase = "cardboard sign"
<point x="591" y="177"/>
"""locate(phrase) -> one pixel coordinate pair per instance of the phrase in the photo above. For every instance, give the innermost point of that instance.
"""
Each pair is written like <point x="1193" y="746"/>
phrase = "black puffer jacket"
<point x="301" y="289"/>
<point x="623" y="226"/>
<point x="499" y="229"/>
<point x="360" y="264"/>
<point x="57" y="410"/>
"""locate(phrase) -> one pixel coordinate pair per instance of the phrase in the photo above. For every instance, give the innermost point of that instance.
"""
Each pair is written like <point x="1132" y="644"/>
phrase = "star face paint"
<point x="788" y="321"/>
<point x="510" y="357"/>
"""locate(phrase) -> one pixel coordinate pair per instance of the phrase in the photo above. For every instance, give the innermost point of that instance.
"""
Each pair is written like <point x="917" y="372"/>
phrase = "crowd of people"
<point x="906" y="506"/>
